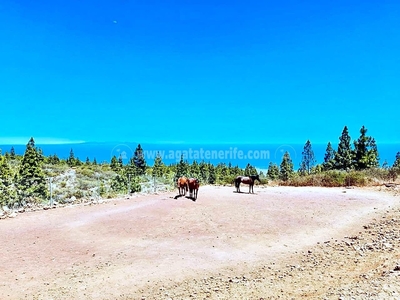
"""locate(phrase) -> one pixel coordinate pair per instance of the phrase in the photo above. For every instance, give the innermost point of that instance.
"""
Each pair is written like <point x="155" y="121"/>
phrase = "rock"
<point x="12" y="215"/>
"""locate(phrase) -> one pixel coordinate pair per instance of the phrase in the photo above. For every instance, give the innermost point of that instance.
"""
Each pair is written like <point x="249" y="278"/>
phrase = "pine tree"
<point x="396" y="163"/>
<point x="31" y="180"/>
<point x="12" y="153"/>
<point x="158" y="167"/>
<point x="87" y="162"/>
<point x="204" y="172"/>
<point x="182" y="169"/>
<point x="119" y="183"/>
<point x="194" y="170"/>
<point x="212" y="177"/>
<point x="308" y="160"/>
<point x="236" y="171"/>
<point x="343" y="156"/>
<point x="373" y="155"/>
<point x="139" y="161"/>
<point x="286" y="167"/>
<point x="250" y="170"/>
<point x="120" y="162"/>
<point x="7" y="188"/>
<point x="273" y="171"/>
<point x="329" y="158"/>
<point x="71" y="160"/>
<point x="385" y="165"/>
<point x="94" y="162"/>
<point x="53" y="159"/>
<point x="114" y="164"/>
<point x="365" y="151"/>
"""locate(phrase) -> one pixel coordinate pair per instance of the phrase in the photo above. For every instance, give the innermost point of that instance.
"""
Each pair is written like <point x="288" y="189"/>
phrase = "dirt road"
<point x="156" y="246"/>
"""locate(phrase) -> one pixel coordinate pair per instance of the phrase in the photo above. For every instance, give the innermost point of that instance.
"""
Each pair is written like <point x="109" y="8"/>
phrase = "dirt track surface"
<point x="281" y="242"/>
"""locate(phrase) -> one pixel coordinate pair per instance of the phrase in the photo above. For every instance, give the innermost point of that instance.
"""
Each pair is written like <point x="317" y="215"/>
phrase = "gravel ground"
<point x="279" y="243"/>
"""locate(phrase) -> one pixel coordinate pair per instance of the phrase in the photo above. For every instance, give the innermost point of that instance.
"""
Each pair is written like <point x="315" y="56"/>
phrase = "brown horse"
<point x="194" y="185"/>
<point x="183" y="185"/>
<point x="248" y="180"/>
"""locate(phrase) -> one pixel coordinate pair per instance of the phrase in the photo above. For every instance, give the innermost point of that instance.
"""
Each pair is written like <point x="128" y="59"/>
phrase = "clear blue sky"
<point x="199" y="71"/>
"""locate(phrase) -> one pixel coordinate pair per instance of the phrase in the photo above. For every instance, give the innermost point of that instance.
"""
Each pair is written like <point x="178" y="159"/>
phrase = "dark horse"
<point x="183" y="185"/>
<point x="248" y="180"/>
<point x="194" y="185"/>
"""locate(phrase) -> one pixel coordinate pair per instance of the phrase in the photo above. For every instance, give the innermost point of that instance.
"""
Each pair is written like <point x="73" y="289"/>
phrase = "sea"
<point x="257" y="155"/>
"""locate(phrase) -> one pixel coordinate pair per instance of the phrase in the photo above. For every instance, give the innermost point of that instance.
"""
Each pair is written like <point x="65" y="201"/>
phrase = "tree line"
<point x="24" y="178"/>
<point x="362" y="156"/>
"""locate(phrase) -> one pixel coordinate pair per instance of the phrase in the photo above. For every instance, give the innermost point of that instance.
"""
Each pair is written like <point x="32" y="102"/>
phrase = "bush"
<point x="333" y="178"/>
<point x="227" y="179"/>
<point x="85" y="172"/>
<point x="356" y="179"/>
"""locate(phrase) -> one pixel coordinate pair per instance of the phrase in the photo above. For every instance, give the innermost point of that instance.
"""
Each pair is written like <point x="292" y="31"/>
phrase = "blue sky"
<point x="199" y="71"/>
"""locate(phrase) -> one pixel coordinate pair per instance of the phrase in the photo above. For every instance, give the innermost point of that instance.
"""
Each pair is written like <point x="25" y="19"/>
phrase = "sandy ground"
<point x="167" y="247"/>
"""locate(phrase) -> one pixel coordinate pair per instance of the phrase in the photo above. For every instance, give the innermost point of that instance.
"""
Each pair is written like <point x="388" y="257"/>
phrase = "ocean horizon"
<point x="258" y="155"/>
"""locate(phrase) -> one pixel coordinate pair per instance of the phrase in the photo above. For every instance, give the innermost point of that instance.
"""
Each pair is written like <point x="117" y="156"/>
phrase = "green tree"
<point x="194" y="170"/>
<point x="158" y="167"/>
<point x="73" y="161"/>
<point x="139" y="161"/>
<point x="396" y="163"/>
<point x="12" y="153"/>
<point x="212" y="176"/>
<point x="343" y="156"/>
<point x="286" y="167"/>
<point x="236" y="171"/>
<point x="182" y="169"/>
<point x="273" y="171"/>
<point x="119" y="183"/>
<point x="71" y="158"/>
<point x="203" y="172"/>
<point x="308" y="160"/>
<point x="31" y="178"/>
<point x="114" y="165"/>
<point x="53" y="159"/>
<point x="120" y="162"/>
<point x="125" y="182"/>
<point x="365" y="151"/>
<point x="87" y="162"/>
<point x="250" y="170"/>
<point x="329" y="158"/>
<point x="7" y="188"/>
<point x="385" y="165"/>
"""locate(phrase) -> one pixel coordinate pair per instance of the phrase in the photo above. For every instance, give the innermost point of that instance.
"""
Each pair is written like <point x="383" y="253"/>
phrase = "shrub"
<point x="85" y="172"/>
<point x="356" y="179"/>
<point x="333" y="178"/>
